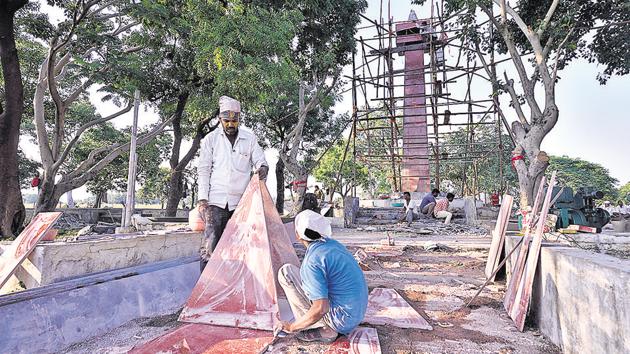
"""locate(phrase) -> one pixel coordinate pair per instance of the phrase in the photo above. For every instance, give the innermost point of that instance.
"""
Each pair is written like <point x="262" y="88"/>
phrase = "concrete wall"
<point x="56" y="261"/>
<point x="91" y="215"/>
<point x="50" y="318"/>
<point x="581" y="299"/>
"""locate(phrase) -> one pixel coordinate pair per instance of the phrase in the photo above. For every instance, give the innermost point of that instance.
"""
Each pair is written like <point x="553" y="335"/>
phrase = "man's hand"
<point x="283" y="326"/>
<point x="262" y="172"/>
<point x="202" y="204"/>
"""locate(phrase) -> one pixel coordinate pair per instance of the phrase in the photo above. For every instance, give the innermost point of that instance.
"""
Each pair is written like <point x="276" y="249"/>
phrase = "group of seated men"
<point x="429" y="206"/>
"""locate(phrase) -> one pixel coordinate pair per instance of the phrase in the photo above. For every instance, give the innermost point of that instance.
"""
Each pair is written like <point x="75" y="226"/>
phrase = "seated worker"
<point x="328" y="293"/>
<point x="428" y="202"/>
<point x="410" y="207"/>
<point x="441" y="208"/>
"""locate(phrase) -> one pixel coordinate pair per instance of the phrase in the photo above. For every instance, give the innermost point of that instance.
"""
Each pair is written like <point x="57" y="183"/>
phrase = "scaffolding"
<point x="381" y="96"/>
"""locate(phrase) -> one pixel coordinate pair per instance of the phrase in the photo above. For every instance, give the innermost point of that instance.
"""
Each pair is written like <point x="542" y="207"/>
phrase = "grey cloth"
<point x="216" y="219"/>
<point x="291" y="282"/>
<point x="411" y="216"/>
<point x="428" y="209"/>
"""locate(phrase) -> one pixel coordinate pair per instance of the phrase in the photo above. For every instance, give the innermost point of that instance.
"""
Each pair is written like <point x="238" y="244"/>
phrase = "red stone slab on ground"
<point x="363" y="340"/>
<point x="387" y="307"/>
<point x="194" y="338"/>
<point x="238" y="287"/>
<point x="25" y="243"/>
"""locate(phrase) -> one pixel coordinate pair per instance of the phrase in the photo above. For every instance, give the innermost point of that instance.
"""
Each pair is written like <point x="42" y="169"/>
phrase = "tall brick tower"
<point x="411" y="42"/>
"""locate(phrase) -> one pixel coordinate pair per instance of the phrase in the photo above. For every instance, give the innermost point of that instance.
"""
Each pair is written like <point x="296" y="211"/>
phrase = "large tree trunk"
<point x="300" y="176"/>
<point x="175" y="183"/>
<point x="12" y="212"/>
<point x="49" y="195"/>
<point x="174" y="192"/>
<point x="280" y="186"/>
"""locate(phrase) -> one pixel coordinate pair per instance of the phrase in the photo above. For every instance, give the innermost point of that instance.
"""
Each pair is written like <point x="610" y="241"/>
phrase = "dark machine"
<point x="579" y="208"/>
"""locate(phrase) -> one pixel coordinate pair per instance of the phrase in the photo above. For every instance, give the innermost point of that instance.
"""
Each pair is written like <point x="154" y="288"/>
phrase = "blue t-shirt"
<point x="330" y="272"/>
<point x="429" y="198"/>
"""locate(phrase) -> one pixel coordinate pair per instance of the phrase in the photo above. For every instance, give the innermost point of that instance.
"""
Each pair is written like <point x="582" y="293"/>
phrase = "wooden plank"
<point x="363" y="340"/>
<point x="387" y="307"/>
<point x="523" y="295"/>
<point x="238" y="287"/>
<point x="195" y="338"/>
<point x="519" y="265"/>
<point x="25" y="243"/>
<point x="498" y="236"/>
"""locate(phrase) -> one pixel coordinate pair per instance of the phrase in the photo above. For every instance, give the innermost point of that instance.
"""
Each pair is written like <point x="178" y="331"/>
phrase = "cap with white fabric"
<point x="309" y="219"/>
<point x="229" y="104"/>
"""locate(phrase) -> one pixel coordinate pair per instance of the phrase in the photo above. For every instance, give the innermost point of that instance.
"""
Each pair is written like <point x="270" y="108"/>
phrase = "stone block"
<point x="53" y="317"/>
<point x="58" y="261"/>
<point x="580" y="299"/>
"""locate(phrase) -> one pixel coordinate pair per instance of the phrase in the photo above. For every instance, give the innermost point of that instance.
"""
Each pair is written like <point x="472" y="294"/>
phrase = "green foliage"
<point x="575" y="173"/>
<point x="155" y="186"/>
<point x="624" y="193"/>
<point x="597" y="31"/>
<point x="485" y="170"/>
<point x="353" y="173"/>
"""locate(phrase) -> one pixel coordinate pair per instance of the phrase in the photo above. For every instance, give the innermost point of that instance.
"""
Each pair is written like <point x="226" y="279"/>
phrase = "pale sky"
<point x="593" y="123"/>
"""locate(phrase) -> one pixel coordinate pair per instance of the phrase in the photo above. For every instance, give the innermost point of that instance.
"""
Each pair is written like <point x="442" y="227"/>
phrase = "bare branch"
<point x="90" y="167"/>
<point x="85" y="127"/>
<point x="528" y="85"/>
<point x="558" y="51"/>
<point x="509" y="87"/>
<point x="124" y="28"/>
<point x="550" y="12"/>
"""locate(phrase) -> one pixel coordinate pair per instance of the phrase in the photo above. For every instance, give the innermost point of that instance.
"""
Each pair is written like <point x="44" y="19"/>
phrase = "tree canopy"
<point x="576" y="173"/>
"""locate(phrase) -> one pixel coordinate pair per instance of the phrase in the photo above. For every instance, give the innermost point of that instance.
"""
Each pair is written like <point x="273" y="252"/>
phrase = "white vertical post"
<point x="133" y="164"/>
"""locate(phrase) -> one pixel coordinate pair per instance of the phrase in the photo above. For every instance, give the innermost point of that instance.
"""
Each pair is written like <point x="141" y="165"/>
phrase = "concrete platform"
<point x="53" y="262"/>
<point x="580" y="299"/>
<point x="52" y="317"/>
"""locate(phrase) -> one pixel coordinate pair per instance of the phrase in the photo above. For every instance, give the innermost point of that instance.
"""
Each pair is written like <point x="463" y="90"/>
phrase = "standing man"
<point x="225" y="165"/>
<point x="328" y="293"/>
<point x="441" y="208"/>
<point x="428" y="202"/>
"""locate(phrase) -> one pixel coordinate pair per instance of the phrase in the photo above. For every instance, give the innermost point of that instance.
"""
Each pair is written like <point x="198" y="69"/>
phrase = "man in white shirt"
<point x="225" y="165"/>
<point x="410" y="209"/>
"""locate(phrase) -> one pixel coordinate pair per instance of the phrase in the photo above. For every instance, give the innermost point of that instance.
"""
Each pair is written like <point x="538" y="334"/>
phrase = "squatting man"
<point x="225" y="164"/>
<point x="328" y="293"/>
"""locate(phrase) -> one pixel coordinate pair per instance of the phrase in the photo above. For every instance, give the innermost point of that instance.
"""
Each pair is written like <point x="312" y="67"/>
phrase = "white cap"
<point x="229" y="104"/>
<point x="309" y="219"/>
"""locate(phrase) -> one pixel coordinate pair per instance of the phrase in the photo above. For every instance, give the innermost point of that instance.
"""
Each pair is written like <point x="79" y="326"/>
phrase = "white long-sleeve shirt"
<point x="224" y="170"/>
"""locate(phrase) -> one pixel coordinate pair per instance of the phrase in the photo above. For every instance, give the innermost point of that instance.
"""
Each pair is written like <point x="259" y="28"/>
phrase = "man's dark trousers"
<point x="216" y="220"/>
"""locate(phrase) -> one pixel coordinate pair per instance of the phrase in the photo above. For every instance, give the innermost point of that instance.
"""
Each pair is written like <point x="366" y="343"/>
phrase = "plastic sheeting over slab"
<point x="238" y="287"/>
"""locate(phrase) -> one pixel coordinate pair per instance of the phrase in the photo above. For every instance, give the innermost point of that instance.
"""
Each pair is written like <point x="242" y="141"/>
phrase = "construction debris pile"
<point x="427" y="226"/>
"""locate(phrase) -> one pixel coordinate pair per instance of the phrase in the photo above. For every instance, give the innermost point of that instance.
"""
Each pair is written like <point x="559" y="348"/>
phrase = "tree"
<point x="176" y="84"/>
<point x="12" y="212"/>
<point x="353" y="173"/>
<point x="624" y="193"/>
<point x="474" y="166"/>
<point x="548" y="34"/>
<point x="323" y="47"/>
<point x="92" y="45"/>
<point x="113" y="177"/>
<point x="576" y="173"/>
<point x="155" y="186"/>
